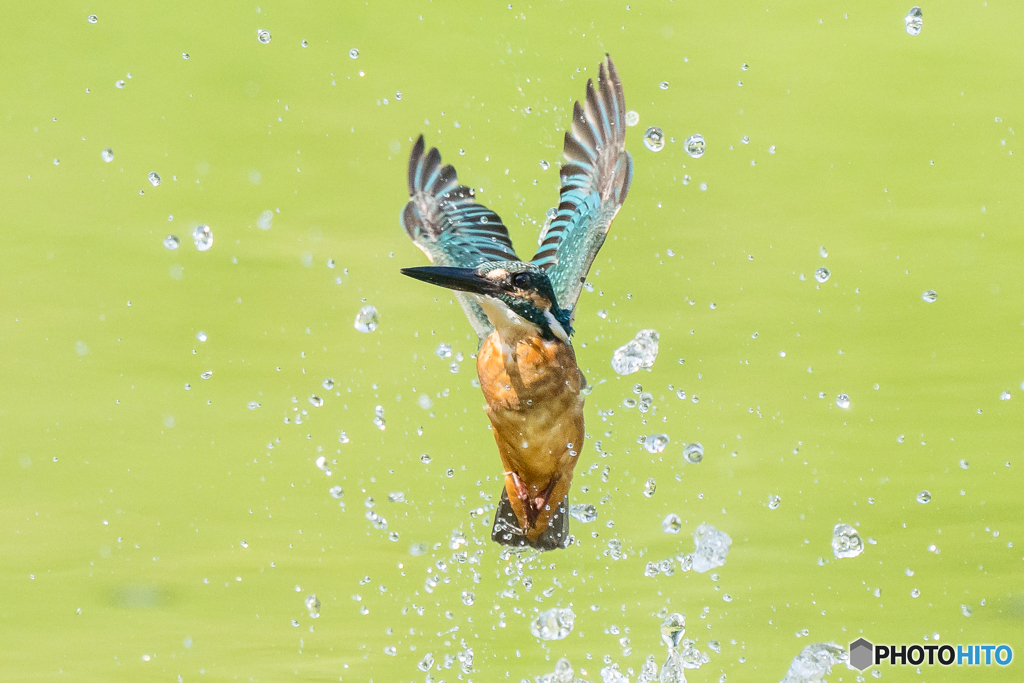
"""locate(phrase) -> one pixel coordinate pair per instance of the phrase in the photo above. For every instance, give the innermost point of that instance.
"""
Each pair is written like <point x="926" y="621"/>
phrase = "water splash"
<point x="712" y="547"/>
<point x="553" y="624"/>
<point x="846" y="541"/>
<point x="640" y="352"/>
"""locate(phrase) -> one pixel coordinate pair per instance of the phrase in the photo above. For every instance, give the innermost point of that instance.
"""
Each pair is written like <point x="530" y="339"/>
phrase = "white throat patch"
<point x="508" y="323"/>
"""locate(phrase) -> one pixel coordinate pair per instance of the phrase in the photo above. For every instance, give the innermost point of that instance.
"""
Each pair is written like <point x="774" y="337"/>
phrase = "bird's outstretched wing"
<point x="451" y="229"/>
<point x="595" y="181"/>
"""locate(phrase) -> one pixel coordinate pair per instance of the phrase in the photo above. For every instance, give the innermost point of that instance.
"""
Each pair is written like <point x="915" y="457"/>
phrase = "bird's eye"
<point x="521" y="280"/>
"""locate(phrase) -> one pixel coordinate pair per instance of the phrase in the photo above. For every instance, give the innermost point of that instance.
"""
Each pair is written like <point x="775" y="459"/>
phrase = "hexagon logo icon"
<point x="862" y="654"/>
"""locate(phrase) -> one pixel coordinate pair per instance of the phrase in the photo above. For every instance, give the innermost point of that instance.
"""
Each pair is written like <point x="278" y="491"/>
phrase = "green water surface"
<point x="159" y="526"/>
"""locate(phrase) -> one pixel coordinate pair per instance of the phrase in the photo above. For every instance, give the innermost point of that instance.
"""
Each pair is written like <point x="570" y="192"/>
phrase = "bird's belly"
<point x="535" y="406"/>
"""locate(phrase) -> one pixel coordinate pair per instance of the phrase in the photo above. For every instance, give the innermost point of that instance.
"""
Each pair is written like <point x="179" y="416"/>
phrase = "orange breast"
<point x="536" y="409"/>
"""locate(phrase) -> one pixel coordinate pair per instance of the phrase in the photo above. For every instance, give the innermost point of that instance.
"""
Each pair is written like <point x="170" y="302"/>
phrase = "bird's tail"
<point x="506" y="530"/>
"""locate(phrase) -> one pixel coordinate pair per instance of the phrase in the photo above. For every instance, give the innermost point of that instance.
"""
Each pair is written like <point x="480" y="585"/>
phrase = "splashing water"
<point x="265" y="220"/>
<point x="693" y="453"/>
<point x="712" y="547"/>
<point x="584" y="512"/>
<point x="640" y="352"/>
<point x="553" y="624"/>
<point x="171" y="242"/>
<point x="366" y="319"/>
<point x="814" y="663"/>
<point x="694" y="145"/>
<point x="313" y="605"/>
<point x="914" y="21"/>
<point x="203" y="237"/>
<point x="656" y="443"/>
<point x="654" y="139"/>
<point x="846" y="541"/>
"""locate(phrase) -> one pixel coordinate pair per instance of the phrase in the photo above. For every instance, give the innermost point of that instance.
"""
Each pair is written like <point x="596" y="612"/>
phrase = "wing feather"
<point x="444" y="221"/>
<point x="595" y="181"/>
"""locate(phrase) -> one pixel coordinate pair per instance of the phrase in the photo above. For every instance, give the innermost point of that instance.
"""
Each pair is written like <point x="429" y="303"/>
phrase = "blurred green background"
<point x="155" y="527"/>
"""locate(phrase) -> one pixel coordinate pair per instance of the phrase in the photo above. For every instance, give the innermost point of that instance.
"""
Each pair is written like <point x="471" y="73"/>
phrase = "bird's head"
<point x="510" y="292"/>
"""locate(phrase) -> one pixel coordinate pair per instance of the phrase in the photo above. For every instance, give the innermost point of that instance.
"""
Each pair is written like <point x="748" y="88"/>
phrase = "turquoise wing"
<point x="595" y="181"/>
<point x="452" y="230"/>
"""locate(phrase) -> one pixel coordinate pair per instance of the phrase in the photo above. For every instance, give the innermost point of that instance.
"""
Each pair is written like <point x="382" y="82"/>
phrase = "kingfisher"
<point x="523" y="311"/>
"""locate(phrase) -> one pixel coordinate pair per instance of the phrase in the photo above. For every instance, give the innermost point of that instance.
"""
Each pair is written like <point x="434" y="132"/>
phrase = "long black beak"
<point x="461" y="279"/>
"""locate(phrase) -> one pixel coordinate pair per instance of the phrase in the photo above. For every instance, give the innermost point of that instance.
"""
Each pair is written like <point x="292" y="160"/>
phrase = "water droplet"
<point x="673" y="628"/>
<point x="915" y="593"/>
<point x="201" y="336"/>
<point x="468" y="598"/>
<point x="81" y="348"/>
<point x="353" y="53"/>
<point x="681" y="395"/>
<point x="313" y="605"/>
<point x="654" y="139"/>
<point x="425" y="459"/>
<point x="693" y="453"/>
<point x="914" y="21"/>
<point x="316" y="401"/>
<point x="253" y="405"/>
<point x="107" y="155"/>
<point x="184" y="55"/>
<point x="553" y="624"/>
<point x="366" y="319"/>
<point x="584" y="512"/>
<point x="207" y="375"/>
<point x="846" y="541"/>
<point x="632" y="118"/>
<point x="443" y="351"/>
<point x="965" y="610"/>
<point x="656" y="443"/>
<point x="964" y="464"/>
<point x="336" y="492"/>
<point x="663" y="85"/>
<point x="398" y="95"/>
<point x="694" y="145"/>
<point x="774" y="500"/>
<point x="343" y="437"/>
<point x="822" y="274"/>
<point x="924" y="497"/>
<point x="671" y="524"/>
<point x="304" y="43"/>
<point x="428" y="660"/>
<point x="171" y="242"/>
<point x="378" y="418"/>
<point x="929" y="296"/>
<point x="154" y="178"/>
<point x="640" y="352"/>
<point x="263" y="35"/>
<point x="92" y="18"/>
<point x="649" y="487"/>
<point x="843" y="401"/>
<point x="265" y="220"/>
<point x="203" y="237"/>
<point x="328" y="384"/>
<point x="823" y="252"/>
<point x="119" y="83"/>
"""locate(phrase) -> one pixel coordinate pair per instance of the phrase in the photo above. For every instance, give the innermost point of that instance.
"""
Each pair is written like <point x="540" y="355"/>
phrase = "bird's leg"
<point x="523" y="493"/>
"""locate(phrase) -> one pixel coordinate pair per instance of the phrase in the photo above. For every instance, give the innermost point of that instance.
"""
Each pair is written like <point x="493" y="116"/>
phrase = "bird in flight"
<point x="523" y="311"/>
